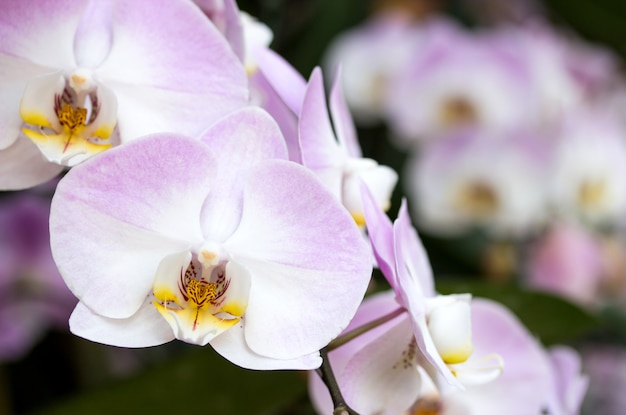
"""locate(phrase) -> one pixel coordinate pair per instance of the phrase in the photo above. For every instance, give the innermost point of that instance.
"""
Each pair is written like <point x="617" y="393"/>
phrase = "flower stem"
<point x="352" y="334"/>
<point x="325" y="372"/>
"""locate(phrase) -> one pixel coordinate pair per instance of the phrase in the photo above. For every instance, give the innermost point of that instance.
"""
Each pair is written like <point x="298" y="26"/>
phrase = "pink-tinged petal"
<point x="241" y="140"/>
<point x="319" y="146"/>
<point x="521" y="389"/>
<point x="412" y="254"/>
<point x="115" y="217"/>
<point x="94" y="37"/>
<point x="41" y="32"/>
<point x="234" y="28"/>
<point x="167" y="56"/>
<point x="22" y="166"/>
<point x="232" y="346"/>
<point x="380" y="231"/>
<point x="372" y="308"/>
<point x="569" y="385"/>
<point x="143" y="329"/>
<point x="382" y="378"/>
<point x="309" y="263"/>
<point x="342" y="119"/>
<point x="283" y="77"/>
<point x="14" y="75"/>
<point x="265" y="96"/>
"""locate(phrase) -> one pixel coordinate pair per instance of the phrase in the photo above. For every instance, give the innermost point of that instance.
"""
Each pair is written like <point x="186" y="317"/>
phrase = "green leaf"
<point x="198" y="382"/>
<point x="552" y="319"/>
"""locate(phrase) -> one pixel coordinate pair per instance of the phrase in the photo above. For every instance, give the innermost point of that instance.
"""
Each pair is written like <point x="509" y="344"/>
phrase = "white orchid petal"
<point x="451" y="330"/>
<point x="479" y="371"/>
<point x="143" y="329"/>
<point x="94" y="36"/>
<point x="232" y="346"/>
<point x="22" y="166"/>
<point x="307" y="259"/>
<point x="382" y="378"/>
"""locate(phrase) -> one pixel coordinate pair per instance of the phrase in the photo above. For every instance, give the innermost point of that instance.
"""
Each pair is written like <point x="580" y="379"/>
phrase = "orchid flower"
<point x="459" y="79"/>
<point x="478" y="179"/>
<point x="588" y="182"/>
<point x="524" y="386"/>
<point x="333" y="153"/>
<point x="441" y="324"/>
<point x="218" y="241"/>
<point x="568" y="261"/>
<point x="81" y="76"/>
<point x="382" y="371"/>
<point x="393" y="37"/>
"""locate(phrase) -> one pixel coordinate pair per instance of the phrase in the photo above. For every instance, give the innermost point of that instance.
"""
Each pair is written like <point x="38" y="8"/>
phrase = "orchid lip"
<point x="70" y="117"/>
<point x="197" y="296"/>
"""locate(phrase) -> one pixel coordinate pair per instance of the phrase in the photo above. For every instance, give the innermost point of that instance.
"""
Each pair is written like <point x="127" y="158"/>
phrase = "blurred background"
<point x="506" y="121"/>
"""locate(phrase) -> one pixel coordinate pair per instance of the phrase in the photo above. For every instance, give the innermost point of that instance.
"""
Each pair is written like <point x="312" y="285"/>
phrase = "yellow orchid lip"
<point x="70" y="118"/>
<point x="197" y="306"/>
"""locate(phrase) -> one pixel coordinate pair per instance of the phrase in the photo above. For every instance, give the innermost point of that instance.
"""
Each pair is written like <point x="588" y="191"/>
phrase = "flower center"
<point x="72" y="117"/>
<point x="591" y="194"/>
<point x="427" y="405"/>
<point x="69" y="117"/>
<point x="457" y="111"/>
<point x="197" y="297"/>
<point x="478" y="198"/>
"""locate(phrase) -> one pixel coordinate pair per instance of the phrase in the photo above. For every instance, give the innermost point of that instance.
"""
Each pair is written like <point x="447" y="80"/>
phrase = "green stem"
<point x="352" y="334"/>
<point x="325" y="372"/>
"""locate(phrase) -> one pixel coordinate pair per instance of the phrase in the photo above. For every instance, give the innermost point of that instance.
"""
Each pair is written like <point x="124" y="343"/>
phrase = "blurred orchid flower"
<point x="459" y="79"/>
<point x="589" y="169"/>
<point x="393" y="37"/>
<point x="567" y="261"/>
<point x="473" y="179"/>
<point x="34" y="297"/>
<point x="220" y="241"/>
<point x="80" y="76"/>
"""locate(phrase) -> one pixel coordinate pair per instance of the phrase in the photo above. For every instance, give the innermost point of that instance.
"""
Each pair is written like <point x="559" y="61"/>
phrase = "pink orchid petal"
<point x="268" y="99"/>
<point x="94" y="37"/>
<point x="342" y="119"/>
<point x="232" y="346"/>
<point x="380" y="231"/>
<point x="234" y="28"/>
<point x="320" y="149"/>
<point x="570" y="386"/>
<point x="22" y="166"/>
<point x="382" y="377"/>
<point x="283" y="77"/>
<point x="373" y="307"/>
<point x="40" y="31"/>
<point x="145" y="328"/>
<point x="295" y="237"/>
<point x="240" y="140"/>
<point x="167" y="56"/>
<point x="115" y="217"/>
<point x="522" y="387"/>
<point x="412" y="253"/>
